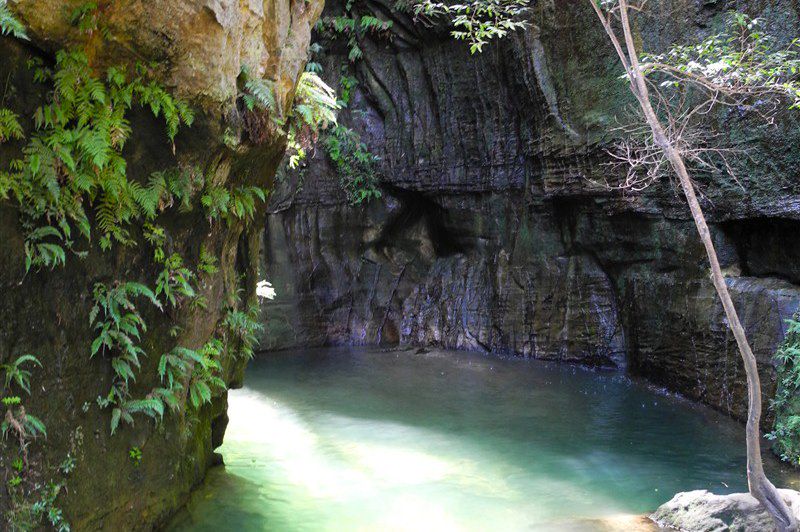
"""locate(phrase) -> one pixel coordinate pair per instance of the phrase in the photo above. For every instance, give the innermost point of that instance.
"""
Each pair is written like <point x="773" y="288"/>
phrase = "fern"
<point x="205" y="374"/>
<point x="119" y="414"/>
<point x="207" y="262"/>
<point x="40" y="252"/>
<point x="258" y="93"/>
<point x="315" y="108"/>
<point x="175" y="112"/>
<point x="33" y="425"/>
<point x="353" y="28"/>
<point x="243" y="201"/>
<point x="242" y="328"/>
<point x="786" y="405"/>
<point x="168" y="397"/>
<point x="9" y="25"/>
<point x="10" y="128"/>
<point x="197" y="369"/>
<point x="25" y="425"/>
<point x="315" y="101"/>
<point x="356" y="166"/>
<point x="85" y="17"/>
<point x="156" y="236"/>
<point x="118" y="321"/>
<point x="175" y="281"/>
<point x="216" y="201"/>
<point x="163" y="190"/>
<point x="74" y="158"/>
<point x="119" y="327"/>
<point x="17" y="420"/>
<point x="149" y="406"/>
<point x="16" y="374"/>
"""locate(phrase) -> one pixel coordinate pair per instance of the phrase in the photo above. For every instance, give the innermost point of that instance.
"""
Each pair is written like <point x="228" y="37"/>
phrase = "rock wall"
<point x="200" y="48"/>
<point x="493" y="233"/>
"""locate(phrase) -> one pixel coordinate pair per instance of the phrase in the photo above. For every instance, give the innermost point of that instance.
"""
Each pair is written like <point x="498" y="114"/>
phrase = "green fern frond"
<point x="259" y="94"/>
<point x="74" y="158"/>
<point x="9" y="25"/>
<point x="10" y="128"/>
<point x="152" y="407"/>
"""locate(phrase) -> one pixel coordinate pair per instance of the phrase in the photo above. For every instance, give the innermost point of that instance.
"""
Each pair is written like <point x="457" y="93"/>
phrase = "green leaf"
<point x="115" y="418"/>
<point x="9" y="25"/>
<point x="35" y="425"/>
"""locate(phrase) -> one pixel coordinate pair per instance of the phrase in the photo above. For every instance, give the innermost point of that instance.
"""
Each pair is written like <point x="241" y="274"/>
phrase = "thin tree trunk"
<point x="760" y="486"/>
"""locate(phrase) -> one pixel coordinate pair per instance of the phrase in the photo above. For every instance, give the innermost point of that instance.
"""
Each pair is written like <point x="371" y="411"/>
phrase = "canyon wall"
<point x="197" y="50"/>
<point x="494" y="232"/>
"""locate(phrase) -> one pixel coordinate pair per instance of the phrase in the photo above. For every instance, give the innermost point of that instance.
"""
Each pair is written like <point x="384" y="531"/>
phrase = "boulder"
<point x="703" y="511"/>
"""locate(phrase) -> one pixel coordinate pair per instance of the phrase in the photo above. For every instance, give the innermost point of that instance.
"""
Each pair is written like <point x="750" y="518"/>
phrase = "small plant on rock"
<point x="786" y="404"/>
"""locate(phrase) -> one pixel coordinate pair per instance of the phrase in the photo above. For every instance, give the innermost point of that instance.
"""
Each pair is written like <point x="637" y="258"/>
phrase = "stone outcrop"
<point x="200" y="48"/>
<point x="493" y="233"/>
<point x="701" y="511"/>
<point x="200" y="45"/>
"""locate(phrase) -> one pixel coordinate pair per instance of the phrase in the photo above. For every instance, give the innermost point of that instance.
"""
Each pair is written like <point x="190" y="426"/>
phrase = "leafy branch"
<point x="479" y="21"/>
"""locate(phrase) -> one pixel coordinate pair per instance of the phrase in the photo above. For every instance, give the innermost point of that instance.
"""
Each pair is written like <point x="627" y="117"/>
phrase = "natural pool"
<point x="354" y="439"/>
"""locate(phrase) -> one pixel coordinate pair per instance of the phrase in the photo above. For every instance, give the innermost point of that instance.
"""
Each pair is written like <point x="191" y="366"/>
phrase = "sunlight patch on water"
<point x="327" y="465"/>
<point x="408" y="478"/>
<point x="361" y="440"/>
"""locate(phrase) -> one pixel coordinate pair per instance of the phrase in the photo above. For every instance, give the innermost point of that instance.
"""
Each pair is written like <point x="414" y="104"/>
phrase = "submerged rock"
<point x="702" y="511"/>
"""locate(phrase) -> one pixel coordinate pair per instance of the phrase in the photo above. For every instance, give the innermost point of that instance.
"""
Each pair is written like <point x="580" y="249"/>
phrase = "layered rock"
<point x="200" y="48"/>
<point x="494" y="234"/>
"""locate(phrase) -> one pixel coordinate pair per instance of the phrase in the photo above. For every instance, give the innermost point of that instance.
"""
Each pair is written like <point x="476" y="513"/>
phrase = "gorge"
<point x="494" y="232"/>
<point x="494" y="235"/>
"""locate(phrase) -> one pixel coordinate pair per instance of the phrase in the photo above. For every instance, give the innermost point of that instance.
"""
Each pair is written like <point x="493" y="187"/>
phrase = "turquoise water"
<point x="345" y="439"/>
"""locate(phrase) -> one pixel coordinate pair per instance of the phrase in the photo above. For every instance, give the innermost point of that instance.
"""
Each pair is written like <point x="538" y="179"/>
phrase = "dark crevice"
<point x="417" y="208"/>
<point x="767" y="247"/>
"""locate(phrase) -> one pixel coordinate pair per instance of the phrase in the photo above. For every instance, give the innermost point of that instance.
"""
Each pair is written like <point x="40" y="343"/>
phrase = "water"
<point x="347" y="439"/>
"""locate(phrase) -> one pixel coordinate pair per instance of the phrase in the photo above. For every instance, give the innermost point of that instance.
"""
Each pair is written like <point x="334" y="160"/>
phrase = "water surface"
<point x="353" y="439"/>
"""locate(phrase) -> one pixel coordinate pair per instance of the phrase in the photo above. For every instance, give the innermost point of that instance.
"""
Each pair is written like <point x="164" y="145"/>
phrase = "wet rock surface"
<point x="493" y="233"/>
